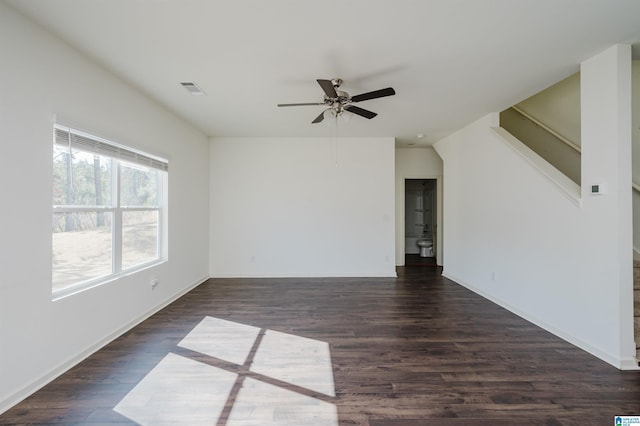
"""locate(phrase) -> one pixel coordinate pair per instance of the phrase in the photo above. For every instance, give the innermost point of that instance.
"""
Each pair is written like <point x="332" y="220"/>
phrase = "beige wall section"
<point x="558" y="107"/>
<point x="417" y="163"/>
<point x="557" y="153"/>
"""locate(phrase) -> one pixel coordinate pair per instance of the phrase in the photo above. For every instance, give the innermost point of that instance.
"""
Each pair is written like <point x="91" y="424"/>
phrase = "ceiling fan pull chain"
<point x="335" y="141"/>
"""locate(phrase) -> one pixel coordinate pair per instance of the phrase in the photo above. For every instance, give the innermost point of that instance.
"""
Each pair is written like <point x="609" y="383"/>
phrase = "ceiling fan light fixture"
<point x="337" y="114"/>
<point x="345" y="116"/>
<point x="329" y="114"/>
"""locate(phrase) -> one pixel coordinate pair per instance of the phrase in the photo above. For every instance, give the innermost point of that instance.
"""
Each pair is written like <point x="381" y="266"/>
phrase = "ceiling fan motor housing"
<point x="338" y="101"/>
<point x="342" y="99"/>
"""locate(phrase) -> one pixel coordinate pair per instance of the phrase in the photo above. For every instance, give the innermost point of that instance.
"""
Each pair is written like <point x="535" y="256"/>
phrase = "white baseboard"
<point x="617" y="362"/>
<point x="629" y="364"/>
<point x="234" y="275"/>
<point x="48" y="377"/>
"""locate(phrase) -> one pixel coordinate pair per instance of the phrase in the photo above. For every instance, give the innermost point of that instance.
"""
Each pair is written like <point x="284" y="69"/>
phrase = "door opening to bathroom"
<point x="420" y="220"/>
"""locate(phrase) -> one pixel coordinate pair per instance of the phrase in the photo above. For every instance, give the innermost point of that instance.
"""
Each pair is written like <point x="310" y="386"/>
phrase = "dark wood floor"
<point x="416" y="260"/>
<point x="412" y="351"/>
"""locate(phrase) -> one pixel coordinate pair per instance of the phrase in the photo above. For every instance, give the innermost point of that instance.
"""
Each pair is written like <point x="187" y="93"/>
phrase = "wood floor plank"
<point x="412" y="351"/>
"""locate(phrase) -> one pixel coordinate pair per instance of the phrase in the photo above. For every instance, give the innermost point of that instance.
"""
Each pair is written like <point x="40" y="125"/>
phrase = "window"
<point x="108" y="210"/>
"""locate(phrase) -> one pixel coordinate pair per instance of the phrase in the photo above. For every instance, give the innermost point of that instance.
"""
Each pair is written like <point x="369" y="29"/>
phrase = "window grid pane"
<point x="139" y="237"/>
<point x="82" y="247"/>
<point x="138" y="186"/>
<point x="81" y="178"/>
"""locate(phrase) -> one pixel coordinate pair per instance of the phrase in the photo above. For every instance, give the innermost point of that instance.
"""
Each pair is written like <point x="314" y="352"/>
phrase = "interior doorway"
<point x="420" y="220"/>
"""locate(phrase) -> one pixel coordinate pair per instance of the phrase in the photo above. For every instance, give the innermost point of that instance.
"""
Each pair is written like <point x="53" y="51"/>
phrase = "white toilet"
<point x="426" y="247"/>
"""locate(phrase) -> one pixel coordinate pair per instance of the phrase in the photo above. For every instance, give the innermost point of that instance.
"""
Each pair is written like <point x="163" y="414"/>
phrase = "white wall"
<point x="290" y="207"/>
<point x="606" y="158"/>
<point x="512" y="236"/>
<point x="635" y="151"/>
<point x="635" y="118"/>
<point x="40" y="77"/>
<point x="414" y="163"/>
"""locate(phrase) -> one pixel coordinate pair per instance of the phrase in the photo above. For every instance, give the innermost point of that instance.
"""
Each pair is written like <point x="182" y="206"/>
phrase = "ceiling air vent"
<point x="193" y="88"/>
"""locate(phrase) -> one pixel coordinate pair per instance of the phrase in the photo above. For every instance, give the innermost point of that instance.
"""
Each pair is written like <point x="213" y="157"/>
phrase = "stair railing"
<point x="635" y="186"/>
<point x="547" y="128"/>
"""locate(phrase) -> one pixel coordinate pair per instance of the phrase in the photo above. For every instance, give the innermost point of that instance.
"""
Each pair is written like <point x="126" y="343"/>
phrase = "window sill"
<point x="87" y="285"/>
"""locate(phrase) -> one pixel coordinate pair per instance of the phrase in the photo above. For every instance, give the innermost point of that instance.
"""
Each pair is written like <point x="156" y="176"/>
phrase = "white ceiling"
<point x="450" y="61"/>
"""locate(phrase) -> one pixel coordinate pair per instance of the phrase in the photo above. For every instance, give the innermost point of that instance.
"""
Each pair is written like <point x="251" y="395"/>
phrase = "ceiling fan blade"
<point x="319" y="118"/>
<point x="373" y="95"/>
<point x="302" y="104"/>
<point x="360" y="111"/>
<point x="328" y="88"/>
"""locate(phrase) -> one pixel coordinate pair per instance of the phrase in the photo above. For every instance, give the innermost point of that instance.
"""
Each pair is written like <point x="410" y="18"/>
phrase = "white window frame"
<point x="119" y="155"/>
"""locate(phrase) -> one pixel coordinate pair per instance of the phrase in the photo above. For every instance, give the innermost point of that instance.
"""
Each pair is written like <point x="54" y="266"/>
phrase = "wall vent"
<point x="193" y="88"/>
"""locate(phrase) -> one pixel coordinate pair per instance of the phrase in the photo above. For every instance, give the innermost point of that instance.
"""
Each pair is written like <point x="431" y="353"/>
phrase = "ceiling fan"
<point x="338" y="101"/>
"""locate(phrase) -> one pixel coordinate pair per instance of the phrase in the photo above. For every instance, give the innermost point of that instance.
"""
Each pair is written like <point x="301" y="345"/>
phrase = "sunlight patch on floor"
<point x="297" y="360"/>
<point x="178" y="391"/>
<point x="227" y="340"/>
<point x="263" y="404"/>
